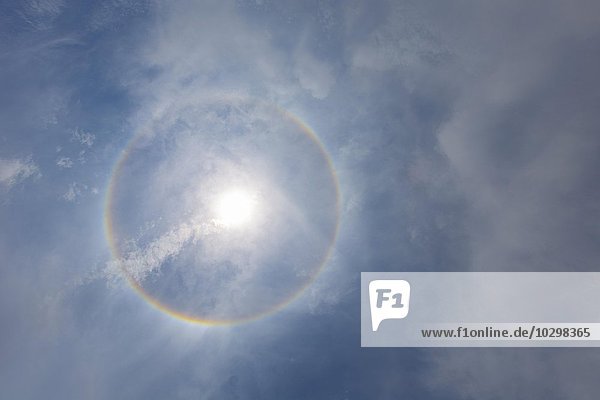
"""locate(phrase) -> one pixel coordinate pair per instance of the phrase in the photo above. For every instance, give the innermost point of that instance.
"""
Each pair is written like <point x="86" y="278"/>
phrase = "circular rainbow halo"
<point x="222" y="210"/>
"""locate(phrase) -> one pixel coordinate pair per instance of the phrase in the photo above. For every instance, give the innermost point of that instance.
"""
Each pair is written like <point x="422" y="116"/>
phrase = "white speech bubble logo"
<point x="389" y="299"/>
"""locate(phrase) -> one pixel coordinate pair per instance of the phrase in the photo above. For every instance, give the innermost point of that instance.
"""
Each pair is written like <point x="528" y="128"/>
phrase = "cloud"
<point x="83" y="137"/>
<point x="314" y="75"/>
<point x="40" y="14"/>
<point x="45" y="7"/>
<point x="515" y="147"/>
<point x="514" y="373"/>
<point x="502" y="120"/>
<point x="107" y="14"/>
<point x="75" y="191"/>
<point x="64" y="162"/>
<point x="521" y="142"/>
<point x="207" y="47"/>
<point x="15" y="170"/>
<point x="139" y="262"/>
<point x="402" y="42"/>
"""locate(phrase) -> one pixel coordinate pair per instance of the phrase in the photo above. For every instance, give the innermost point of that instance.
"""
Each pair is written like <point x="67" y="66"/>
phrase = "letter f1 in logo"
<point x="389" y="299"/>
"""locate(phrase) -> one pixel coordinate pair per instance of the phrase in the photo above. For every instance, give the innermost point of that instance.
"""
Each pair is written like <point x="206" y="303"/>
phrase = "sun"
<point x="235" y="208"/>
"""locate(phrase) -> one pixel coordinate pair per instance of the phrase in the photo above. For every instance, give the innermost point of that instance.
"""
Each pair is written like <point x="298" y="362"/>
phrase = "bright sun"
<point x="235" y="208"/>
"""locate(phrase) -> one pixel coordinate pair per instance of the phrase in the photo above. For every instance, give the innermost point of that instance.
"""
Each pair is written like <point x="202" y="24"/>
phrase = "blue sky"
<point x="463" y="137"/>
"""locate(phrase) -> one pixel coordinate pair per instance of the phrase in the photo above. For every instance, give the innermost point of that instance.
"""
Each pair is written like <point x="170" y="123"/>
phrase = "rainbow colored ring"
<point x="109" y="231"/>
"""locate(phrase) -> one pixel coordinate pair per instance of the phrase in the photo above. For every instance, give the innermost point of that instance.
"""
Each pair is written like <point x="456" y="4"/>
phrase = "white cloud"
<point x="84" y="138"/>
<point x="40" y="14"/>
<point x="139" y="262"/>
<point x="314" y="75"/>
<point x="403" y="42"/>
<point x="64" y="162"/>
<point x="81" y="156"/>
<point x="75" y="191"/>
<point x="105" y="14"/>
<point x="46" y="7"/>
<point x="14" y="170"/>
<point x="199" y="48"/>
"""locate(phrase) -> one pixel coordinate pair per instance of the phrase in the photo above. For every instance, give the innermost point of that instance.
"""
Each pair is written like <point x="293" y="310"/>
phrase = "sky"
<point x="356" y="136"/>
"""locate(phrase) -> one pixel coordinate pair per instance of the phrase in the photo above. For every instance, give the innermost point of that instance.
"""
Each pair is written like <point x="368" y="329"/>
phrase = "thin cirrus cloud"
<point x="16" y="170"/>
<point x="139" y="262"/>
<point x="64" y="162"/>
<point x="84" y="138"/>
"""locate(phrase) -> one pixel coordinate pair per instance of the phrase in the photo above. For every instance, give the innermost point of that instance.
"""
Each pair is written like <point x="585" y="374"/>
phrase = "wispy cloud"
<point x="64" y="162"/>
<point x="75" y="191"/>
<point x="83" y="137"/>
<point x="40" y="14"/>
<point x="314" y="75"/>
<point x="15" y="170"/>
<point x="139" y="261"/>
